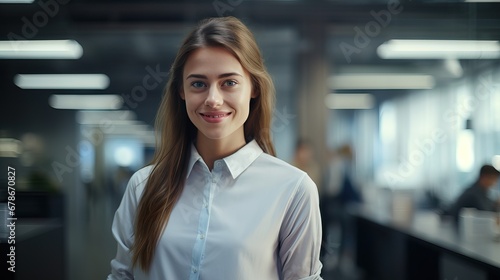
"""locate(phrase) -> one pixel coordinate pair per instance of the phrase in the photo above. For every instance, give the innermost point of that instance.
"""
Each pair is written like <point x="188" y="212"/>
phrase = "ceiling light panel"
<point x="355" y="101"/>
<point x="16" y="1"/>
<point x="439" y="49"/>
<point x="86" y="102"/>
<point x="40" y="49"/>
<point x="99" y="117"/>
<point x="62" y="81"/>
<point x="381" y="81"/>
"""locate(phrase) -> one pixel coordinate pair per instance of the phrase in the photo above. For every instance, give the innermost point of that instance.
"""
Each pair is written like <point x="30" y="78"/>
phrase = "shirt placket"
<point x="204" y="221"/>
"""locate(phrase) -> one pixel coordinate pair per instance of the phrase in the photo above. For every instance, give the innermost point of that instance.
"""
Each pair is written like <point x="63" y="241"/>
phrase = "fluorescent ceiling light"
<point x="135" y="129"/>
<point x="381" y="81"/>
<point x="439" y="49"/>
<point x="10" y="147"/>
<point x="122" y="127"/>
<point x="104" y="117"/>
<point x="16" y="1"/>
<point x="496" y="162"/>
<point x="480" y="1"/>
<point x="40" y="49"/>
<point x="62" y="81"/>
<point x="349" y="101"/>
<point x="86" y="102"/>
<point x="105" y="123"/>
<point x="465" y="151"/>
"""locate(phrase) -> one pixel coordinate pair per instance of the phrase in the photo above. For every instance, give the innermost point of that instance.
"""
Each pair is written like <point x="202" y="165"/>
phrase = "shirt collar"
<point x="241" y="160"/>
<point x="193" y="158"/>
<point x="236" y="163"/>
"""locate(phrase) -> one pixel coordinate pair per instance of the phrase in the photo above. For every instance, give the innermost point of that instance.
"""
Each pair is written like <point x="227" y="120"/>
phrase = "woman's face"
<point x="217" y="91"/>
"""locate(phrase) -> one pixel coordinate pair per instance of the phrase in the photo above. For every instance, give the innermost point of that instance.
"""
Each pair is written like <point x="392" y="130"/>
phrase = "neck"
<point x="213" y="149"/>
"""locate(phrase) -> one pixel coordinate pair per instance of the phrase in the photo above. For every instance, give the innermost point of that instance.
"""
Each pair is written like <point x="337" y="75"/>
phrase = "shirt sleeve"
<point x="123" y="232"/>
<point x="300" y="234"/>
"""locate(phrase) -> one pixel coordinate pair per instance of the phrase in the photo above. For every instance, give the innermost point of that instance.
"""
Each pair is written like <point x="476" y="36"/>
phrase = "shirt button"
<point x="205" y="205"/>
<point x="195" y="270"/>
<point x="202" y="236"/>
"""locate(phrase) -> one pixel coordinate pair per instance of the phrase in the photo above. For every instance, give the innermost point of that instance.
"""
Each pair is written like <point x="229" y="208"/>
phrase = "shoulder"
<point x="469" y="197"/>
<point x="274" y="168"/>
<point x="472" y="191"/>
<point x="138" y="180"/>
<point x="276" y="164"/>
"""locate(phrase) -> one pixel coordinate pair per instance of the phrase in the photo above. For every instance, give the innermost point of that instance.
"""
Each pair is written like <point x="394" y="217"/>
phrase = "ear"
<point x="254" y="94"/>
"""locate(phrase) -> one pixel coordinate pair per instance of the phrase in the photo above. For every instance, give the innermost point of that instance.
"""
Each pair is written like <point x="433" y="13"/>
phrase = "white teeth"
<point x="215" y="116"/>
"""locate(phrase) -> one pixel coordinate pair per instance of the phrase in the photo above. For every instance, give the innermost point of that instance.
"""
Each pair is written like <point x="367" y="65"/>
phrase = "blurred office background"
<point x="420" y="115"/>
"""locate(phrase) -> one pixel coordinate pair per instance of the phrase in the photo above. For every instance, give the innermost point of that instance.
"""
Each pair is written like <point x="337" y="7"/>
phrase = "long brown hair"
<point x="175" y="132"/>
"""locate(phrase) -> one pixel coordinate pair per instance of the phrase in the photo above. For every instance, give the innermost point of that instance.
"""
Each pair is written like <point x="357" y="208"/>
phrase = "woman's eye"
<point x="198" y="84"/>
<point x="230" y="83"/>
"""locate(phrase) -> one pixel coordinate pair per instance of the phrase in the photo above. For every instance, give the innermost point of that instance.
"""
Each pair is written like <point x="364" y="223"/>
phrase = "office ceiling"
<point x="123" y="39"/>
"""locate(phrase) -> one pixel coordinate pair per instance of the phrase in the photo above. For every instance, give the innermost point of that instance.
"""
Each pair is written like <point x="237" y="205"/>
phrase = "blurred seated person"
<point x="476" y="196"/>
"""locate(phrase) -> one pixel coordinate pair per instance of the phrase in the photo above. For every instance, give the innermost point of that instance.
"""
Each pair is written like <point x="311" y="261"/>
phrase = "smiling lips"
<point x="214" y="117"/>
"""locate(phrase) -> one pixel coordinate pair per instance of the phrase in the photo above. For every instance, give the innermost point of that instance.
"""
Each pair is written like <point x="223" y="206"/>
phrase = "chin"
<point x="213" y="135"/>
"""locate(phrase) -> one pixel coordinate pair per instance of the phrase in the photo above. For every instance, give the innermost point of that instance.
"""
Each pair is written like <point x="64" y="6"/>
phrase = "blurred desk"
<point x="39" y="250"/>
<point x="423" y="248"/>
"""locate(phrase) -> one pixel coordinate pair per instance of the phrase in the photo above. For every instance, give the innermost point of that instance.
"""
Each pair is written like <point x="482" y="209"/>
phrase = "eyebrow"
<point x="225" y="75"/>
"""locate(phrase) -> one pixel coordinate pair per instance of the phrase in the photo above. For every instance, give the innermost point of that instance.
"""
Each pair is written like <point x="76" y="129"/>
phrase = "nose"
<point x="214" y="97"/>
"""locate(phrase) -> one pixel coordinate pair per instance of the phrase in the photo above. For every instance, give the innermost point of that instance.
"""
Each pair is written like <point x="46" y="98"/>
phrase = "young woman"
<point x="216" y="204"/>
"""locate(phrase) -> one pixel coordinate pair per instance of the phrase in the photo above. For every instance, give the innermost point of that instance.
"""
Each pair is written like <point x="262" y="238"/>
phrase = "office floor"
<point x="337" y="266"/>
<point x="334" y="270"/>
<point x="90" y="243"/>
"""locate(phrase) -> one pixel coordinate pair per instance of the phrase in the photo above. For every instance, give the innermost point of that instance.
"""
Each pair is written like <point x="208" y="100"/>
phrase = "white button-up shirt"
<point x="253" y="216"/>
